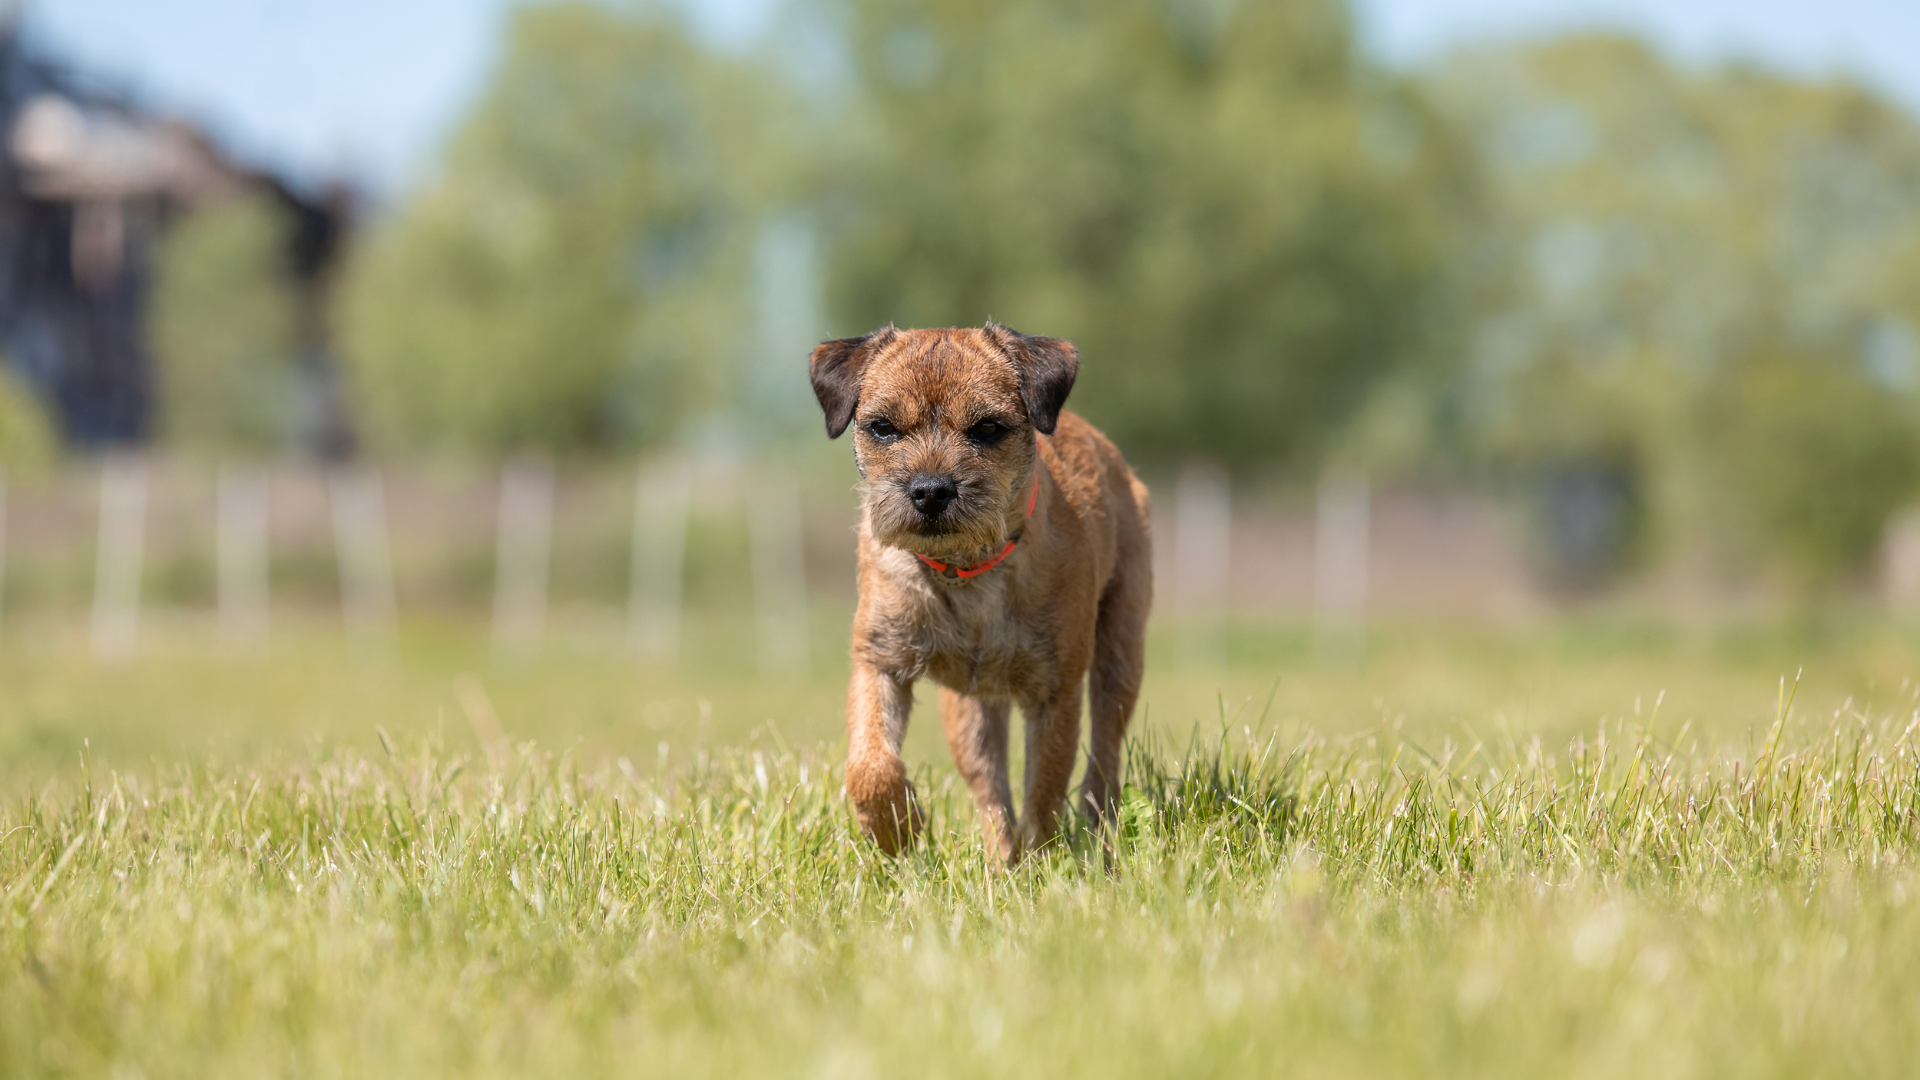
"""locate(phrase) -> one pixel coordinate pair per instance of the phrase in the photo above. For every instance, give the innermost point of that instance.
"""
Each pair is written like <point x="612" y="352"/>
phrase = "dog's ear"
<point x="837" y="368"/>
<point x="1047" y="368"/>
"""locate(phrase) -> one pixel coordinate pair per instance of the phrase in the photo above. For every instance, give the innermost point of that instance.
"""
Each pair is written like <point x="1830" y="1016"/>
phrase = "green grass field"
<point x="1583" y="849"/>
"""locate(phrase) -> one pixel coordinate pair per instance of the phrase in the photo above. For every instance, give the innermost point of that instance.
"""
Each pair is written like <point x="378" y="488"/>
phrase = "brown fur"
<point x="1069" y="603"/>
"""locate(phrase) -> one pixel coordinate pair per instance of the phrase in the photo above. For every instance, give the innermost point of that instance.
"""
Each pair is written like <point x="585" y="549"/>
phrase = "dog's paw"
<point x="891" y="815"/>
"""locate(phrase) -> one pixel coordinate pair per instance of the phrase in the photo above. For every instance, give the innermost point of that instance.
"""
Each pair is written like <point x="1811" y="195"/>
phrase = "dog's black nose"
<point x="931" y="492"/>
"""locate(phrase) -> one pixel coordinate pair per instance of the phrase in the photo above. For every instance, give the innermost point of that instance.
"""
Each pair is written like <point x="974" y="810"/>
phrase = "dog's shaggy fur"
<point x="952" y="430"/>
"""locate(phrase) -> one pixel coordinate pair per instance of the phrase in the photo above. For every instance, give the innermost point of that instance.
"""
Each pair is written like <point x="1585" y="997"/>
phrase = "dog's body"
<point x="959" y="432"/>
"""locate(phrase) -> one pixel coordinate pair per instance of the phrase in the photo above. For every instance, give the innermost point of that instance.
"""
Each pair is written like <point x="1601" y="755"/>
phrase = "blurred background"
<point x="445" y="359"/>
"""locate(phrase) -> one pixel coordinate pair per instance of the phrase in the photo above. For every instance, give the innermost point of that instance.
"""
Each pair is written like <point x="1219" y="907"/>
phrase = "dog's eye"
<point x="986" y="431"/>
<point x="882" y="430"/>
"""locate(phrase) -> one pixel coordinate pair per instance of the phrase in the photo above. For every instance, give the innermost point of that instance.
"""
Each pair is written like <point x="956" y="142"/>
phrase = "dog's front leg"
<point x="877" y="708"/>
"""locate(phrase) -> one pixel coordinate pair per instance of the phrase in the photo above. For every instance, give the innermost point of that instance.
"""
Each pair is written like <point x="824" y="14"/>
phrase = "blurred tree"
<point x="223" y="330"/>
<point x="1658" y="229"/>
<point x="1242" y="228"/>
<point x="27" y="437"/>
<point x="578" y="276"/>
<point x="1559" y="260"/>
<point x="1822" y="455"/>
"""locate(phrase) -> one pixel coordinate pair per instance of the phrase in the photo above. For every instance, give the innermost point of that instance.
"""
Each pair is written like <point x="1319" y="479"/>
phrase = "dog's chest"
<point x="972" y="638"/>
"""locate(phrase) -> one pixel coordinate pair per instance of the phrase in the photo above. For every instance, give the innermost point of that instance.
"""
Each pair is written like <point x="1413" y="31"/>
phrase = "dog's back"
<point x="1096" y="482"/>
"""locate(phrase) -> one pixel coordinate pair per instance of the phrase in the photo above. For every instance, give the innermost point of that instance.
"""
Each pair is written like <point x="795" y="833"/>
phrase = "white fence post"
<point x="241" y="543"/>
<point x="778" y="555"/>
<point x="1900" y="561"/>
<point x="1342" y="543"/>
<point x="116" y="574"/>
<point x="366" y="560"/>
<point x="658" y="567"/>
<point x="1202" y="542"/>
<point x="524" y="546"/>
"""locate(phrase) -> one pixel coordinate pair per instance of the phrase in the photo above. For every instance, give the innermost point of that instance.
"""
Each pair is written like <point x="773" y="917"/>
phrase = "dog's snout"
<point x="931" y="492"/>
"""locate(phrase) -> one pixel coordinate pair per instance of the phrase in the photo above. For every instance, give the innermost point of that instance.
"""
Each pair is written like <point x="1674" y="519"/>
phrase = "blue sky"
<point x="370" y="87"/>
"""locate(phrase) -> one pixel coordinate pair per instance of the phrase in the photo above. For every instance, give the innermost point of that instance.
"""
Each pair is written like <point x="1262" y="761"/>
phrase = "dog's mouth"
<point x="953" y="548"/>
<point x="956" y="533"/>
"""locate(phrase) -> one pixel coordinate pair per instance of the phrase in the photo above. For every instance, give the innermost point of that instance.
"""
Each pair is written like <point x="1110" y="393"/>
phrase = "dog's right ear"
<point x="837" y="368"/>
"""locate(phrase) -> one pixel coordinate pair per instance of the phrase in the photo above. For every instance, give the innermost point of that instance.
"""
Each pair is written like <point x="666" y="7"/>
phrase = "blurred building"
<point x="88" y="183"/>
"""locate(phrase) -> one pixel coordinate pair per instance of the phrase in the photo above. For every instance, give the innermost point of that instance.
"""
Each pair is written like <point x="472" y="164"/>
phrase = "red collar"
<point x="952" y="571"/>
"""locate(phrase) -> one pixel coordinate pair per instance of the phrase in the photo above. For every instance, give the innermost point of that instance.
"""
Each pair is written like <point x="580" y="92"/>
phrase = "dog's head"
<point x="944" y="424"/>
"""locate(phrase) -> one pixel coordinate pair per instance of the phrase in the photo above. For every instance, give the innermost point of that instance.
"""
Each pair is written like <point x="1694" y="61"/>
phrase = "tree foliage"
<point x="1709" y="275"/>
<point x="27" y="436"/>
<point x="1820" y="455"/>
<point x="1233" y="220"/>
<point x="224" y="331"/>
<point x="1574" y="263"/>
<point x="574" y="278"/>
<point x="1236" y="223"/>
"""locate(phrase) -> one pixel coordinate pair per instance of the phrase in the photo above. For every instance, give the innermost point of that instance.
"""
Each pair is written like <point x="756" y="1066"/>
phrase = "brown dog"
<point x="1003" y="553"/>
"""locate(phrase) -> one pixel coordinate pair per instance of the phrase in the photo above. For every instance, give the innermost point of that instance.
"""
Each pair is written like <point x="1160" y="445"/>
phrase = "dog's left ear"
<point x="837" y="368"/>
<point x="1047" y="368"/>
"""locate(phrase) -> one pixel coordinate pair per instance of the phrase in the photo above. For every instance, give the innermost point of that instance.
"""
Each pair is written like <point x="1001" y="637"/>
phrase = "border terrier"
<point x="1004" y="554"/>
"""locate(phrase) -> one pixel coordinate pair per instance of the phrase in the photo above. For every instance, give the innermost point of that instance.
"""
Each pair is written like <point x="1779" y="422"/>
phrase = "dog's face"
<point x="944" y="424"/>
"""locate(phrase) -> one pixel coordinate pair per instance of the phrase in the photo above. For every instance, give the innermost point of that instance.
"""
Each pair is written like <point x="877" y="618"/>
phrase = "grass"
<point x="1399" y="889"/>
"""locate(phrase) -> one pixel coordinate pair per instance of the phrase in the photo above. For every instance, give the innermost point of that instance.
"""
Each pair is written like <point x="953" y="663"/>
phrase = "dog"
<point x="1004" y="554"/>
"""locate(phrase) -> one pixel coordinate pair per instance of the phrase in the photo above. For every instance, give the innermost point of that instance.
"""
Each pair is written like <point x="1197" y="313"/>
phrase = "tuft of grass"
<point x="1361" y="906"/>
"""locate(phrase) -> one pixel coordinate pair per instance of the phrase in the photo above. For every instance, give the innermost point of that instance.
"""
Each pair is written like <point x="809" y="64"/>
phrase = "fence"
<point x="373" y="543"/>
<point x="378" y="543"/>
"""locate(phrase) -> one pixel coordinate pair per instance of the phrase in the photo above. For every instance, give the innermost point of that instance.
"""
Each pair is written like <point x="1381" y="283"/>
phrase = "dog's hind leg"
<point x="977" y="735"/>
<point x="1113" y="680"/>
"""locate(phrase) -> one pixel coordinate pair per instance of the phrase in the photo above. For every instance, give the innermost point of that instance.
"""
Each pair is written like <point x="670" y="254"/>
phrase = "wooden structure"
<point x="88" y="181"/>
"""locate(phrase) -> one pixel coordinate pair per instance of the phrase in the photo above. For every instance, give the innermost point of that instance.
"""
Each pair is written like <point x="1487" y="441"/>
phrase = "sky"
<point x="369" y="89"/>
